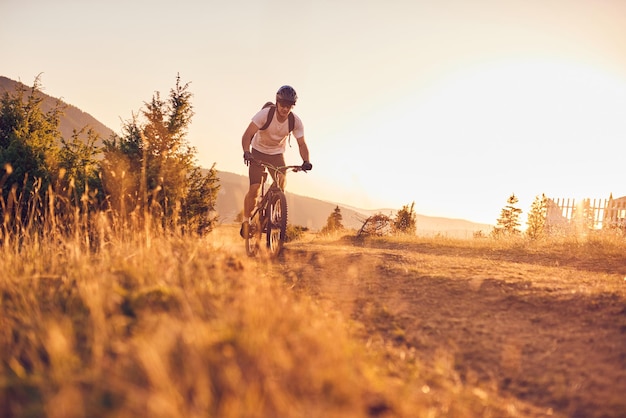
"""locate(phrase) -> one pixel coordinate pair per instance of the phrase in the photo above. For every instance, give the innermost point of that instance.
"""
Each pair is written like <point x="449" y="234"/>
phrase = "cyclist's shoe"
<point x="245" y="229"/>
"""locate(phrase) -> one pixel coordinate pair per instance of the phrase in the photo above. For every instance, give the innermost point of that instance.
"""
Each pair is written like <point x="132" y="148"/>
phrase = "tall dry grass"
<point x="179" y="328"/>
<point x="105" y="318"/>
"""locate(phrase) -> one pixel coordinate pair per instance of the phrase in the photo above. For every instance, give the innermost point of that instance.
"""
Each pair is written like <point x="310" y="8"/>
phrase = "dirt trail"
<point x="551" y="333"/>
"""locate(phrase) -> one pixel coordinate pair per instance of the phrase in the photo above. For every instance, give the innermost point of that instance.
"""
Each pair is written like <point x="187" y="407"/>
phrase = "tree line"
<point x="537" y="225"/>
<point x="508" y="223"/>
<point x="146" y="176"/>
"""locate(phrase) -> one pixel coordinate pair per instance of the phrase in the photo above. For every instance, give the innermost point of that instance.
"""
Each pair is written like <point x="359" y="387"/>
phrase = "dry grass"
<point x="186" y="327"/>
<point x="179" y="329"/>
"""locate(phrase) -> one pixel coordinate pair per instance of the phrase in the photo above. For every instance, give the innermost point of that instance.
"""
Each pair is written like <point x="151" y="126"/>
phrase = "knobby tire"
<point x="277" y="223"/>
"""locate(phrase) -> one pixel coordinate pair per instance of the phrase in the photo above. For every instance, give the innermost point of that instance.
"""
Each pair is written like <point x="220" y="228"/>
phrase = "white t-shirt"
<point x="273" y="140"/>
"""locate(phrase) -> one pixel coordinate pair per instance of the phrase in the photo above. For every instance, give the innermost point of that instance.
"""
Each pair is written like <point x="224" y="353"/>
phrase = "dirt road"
<point x="549" y="331"/>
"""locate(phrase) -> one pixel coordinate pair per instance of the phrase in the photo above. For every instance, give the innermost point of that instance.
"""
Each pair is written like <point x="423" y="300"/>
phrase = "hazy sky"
<point x="451" y="104"/>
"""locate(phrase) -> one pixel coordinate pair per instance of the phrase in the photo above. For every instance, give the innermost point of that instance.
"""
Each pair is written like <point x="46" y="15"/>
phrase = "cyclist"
<point x="268" y="146"/>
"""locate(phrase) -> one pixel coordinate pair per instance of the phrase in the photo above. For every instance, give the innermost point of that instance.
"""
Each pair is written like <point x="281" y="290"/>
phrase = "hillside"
<point x="73" y="117"/>
<point x="313" y="213"/>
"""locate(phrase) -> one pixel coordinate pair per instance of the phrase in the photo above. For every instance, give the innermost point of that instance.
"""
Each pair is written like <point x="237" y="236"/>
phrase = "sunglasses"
<point x="285" y="104"/>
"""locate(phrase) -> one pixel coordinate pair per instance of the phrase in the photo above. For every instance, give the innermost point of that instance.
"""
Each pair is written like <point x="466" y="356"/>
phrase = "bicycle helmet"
<point x="287" y="94"/>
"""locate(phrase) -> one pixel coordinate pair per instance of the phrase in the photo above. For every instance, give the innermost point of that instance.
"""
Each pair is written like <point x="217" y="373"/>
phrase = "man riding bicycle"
<point x="266" y="143"/>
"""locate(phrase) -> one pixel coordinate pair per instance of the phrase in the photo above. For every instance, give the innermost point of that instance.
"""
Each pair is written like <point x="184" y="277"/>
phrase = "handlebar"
<point x="294" y="168"/>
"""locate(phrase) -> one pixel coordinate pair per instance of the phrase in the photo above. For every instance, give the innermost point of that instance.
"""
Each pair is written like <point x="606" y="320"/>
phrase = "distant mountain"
<point x="73" y="117"/>
<point x="303" y="211"/>
<point x="313" y="213"/>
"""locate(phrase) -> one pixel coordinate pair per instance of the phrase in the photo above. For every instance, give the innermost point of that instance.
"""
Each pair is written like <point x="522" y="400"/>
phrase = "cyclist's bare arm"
<point x="246" y="138"/>
<point x="304" y="149"/>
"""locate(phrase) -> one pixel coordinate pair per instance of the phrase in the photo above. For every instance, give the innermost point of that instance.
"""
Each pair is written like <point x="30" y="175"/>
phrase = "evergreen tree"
<point x="78" y="160"/>
<point x="29" y="139"/>
<point x="169" y="158"/>
<point x="536" y="223"/>
<point x="201" y="200"/>
<point x="405" y="221"/>
<point x="45" y="179"/>
<point x="334" y="221"/>
<point x="508" y="222"/>
<point x="152" y="167"/>
<point x="122" y="169"/>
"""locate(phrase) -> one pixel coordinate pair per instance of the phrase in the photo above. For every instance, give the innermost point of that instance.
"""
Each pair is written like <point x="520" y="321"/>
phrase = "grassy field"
<point x="393" y="327"/>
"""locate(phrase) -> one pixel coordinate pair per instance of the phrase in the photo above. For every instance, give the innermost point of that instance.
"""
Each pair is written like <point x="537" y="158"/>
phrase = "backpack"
<point x="270" y="116"/>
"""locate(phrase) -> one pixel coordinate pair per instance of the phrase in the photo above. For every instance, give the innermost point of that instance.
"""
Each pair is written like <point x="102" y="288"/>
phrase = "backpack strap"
<point x="292" y="122"/>
<point x="270" y="116"/>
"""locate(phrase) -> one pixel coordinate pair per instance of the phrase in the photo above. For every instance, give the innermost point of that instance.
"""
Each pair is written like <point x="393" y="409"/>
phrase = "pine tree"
<point x="536" y="223"/>
<point x="152" y="168"/>
<point x="169" y="158"/>
<point x="405" y="221"/>
<point x="201" y="201"/>
<point x="78" y="160"/>
<point x="508" y="222"/>
<point x="122" y="169"/>
<point x="334" y="221"/>
<point x="29" y="139"/>
<point x="46" y="179"/>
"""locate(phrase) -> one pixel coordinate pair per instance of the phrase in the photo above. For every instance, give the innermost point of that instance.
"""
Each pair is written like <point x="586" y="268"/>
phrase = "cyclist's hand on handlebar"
<point x="306" y="166"/>
<point x="247" y="157"/>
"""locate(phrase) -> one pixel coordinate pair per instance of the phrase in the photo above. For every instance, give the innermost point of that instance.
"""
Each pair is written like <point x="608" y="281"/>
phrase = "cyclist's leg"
<point x="282" y="179"/>
<point x="250" y="200"/>
<point x="254" y="173"/>
<point x="248" y="206"/>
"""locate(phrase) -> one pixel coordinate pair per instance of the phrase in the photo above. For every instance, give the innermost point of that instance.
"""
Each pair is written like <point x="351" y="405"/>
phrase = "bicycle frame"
<point x="269" y="215"/>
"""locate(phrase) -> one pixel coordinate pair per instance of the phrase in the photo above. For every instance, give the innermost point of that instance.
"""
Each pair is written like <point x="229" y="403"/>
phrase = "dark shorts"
<point x="255" y="170"/>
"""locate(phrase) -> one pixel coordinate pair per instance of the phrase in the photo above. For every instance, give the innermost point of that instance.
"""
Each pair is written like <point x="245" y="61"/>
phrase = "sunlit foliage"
<point x="508" y="223"/>
<point x="333" y="222"/>
<point x="405" y="221"/>
<point x="536" y="223"/>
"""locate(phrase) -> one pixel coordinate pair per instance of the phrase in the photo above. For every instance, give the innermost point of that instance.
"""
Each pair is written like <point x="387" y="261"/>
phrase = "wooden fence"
<point x="587" y="213"/>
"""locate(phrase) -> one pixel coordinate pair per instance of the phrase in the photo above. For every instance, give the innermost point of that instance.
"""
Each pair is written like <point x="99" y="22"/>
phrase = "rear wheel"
<point x="253" y="240"/>
<point x="277" y="223"/>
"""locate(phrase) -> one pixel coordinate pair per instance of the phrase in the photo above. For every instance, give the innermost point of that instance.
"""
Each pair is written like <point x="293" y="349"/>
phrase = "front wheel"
<point x="277" y="223"/>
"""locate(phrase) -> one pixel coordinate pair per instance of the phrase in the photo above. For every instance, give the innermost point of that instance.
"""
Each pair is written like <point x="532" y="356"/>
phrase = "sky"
<point x="454" y="105"/>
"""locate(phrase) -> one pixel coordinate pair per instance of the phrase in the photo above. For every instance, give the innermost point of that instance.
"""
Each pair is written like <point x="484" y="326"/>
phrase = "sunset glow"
<point x="452" y="106"/>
